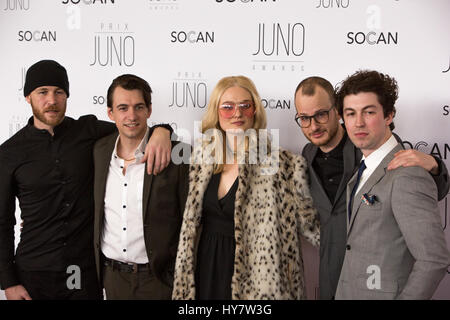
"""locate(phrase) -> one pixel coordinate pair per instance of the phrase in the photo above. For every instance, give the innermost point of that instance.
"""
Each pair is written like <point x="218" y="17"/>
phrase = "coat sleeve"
<point x="307" y="214"/>
<point x="415" y="208"/>
<point x="442" y="179"/>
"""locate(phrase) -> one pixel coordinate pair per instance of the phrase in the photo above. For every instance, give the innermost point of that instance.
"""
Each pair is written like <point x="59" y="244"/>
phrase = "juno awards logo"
<point x="445" y="71"/>
<point x="17" y="5"/>
<point x="279" y="46"/>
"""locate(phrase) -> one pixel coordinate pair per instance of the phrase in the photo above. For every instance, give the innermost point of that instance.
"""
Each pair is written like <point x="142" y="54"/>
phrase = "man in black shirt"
<point x="48" y="166"/>
<point x="332" y="159"/>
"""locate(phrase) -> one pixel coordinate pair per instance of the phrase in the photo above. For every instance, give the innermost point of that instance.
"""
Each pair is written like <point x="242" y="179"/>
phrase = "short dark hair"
<point x="309" y="85"/>
<point x="382" y="85"/>
<point x="130" y="82"/>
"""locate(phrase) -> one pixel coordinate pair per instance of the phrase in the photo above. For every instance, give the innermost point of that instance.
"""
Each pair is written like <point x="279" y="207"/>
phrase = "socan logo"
<point x="245" y="1"/>
<point x="37" y="35"/>
<point x="440" y="150"/>
<point x="372" y="38"/>
<point x="189" y="90"/>
<point x="192" y="36"/>
<point x="114" y="45"/>
<point x="276" y="104"/>
<point x="17" y="5"/>
<point x="88" y="2"/>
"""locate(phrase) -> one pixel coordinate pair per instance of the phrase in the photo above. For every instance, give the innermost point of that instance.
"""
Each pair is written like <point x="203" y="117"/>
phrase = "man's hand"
<point x="157" y="151"/>
<point x="17" y="293"/>
<point x="411" y="158"/>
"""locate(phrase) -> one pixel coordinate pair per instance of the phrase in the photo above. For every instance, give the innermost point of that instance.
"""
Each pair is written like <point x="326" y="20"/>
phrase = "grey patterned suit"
<point x="400" y="233"/>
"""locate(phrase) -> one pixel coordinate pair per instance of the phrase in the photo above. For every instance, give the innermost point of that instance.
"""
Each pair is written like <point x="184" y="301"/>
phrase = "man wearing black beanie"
<point x="48" y="167"/>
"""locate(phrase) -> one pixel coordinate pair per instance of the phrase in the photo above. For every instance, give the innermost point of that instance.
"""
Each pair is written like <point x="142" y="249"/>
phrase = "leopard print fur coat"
<point x="272" y="211"/>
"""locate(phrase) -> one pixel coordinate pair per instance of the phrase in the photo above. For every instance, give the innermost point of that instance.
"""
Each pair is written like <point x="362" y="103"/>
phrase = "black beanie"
<point x="46" y="73"/>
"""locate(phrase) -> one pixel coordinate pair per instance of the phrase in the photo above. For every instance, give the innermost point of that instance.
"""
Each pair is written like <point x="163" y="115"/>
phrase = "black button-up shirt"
<point x="52" y="176"/>
<point x="329" y="166"/>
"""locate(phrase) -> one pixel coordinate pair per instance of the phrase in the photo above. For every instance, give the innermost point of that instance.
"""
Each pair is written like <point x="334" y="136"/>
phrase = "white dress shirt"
<point x="375" y="158"/>
<point x="123" y="232"/>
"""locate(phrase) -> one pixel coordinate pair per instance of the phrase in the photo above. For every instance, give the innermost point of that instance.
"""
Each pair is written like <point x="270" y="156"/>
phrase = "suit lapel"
<point x="374" y="178"/>
<point x="148" y="179"/>
<point x="351" y="155"/>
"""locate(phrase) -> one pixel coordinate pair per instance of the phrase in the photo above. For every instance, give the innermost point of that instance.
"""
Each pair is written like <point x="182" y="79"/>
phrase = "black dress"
<point x="215" y="255"/>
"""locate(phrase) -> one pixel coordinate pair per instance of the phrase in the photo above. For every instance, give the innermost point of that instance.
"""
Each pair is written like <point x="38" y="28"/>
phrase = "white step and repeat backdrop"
<point x="183" y="47"/>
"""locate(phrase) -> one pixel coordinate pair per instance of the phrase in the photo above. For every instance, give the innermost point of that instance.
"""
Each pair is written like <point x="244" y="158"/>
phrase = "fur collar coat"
<point x="272" y="210"/>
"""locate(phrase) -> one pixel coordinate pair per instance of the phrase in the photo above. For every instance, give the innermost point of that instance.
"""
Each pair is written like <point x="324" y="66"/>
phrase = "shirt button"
<point x="348" y="247"/>
<point x="331" y="180"/>
<point x="121" y="167"/>
<point x="124" y="206"/>
<point x="65" y="244"/>
<point x="67" y="205"/>
<point x="124" y="229"/>
<point x="124" y="250"/>
<point x="125" y="184"/>
<point x="57" y="161"/>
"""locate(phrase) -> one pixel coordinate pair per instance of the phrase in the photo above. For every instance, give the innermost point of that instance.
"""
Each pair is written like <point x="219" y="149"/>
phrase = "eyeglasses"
<point x="228" y="109"/>
<point x="321" y="117"/>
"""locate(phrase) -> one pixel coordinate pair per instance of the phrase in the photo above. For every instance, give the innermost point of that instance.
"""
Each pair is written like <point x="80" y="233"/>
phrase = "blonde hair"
<point x="211" y="118"/>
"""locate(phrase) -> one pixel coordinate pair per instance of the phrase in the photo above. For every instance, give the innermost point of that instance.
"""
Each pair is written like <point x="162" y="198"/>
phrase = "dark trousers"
<point x="142" y="285"/>
<point x="52" y="285"/>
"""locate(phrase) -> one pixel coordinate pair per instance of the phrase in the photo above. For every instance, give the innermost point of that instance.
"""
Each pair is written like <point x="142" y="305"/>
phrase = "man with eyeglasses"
<point x="332" y="160"/>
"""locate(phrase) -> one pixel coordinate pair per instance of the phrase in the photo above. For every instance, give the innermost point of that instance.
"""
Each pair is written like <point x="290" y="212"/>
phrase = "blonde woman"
<point x="240" y="237"/>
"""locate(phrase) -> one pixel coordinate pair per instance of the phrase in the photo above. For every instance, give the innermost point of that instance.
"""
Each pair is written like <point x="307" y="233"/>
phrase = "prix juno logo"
<point x="189" y="89"/>
<point x="279" y="46"/>
<point x="23" y="73"/>
<point x="16" y="123"/>
<point x="114" y="45"/>
<point x="17" y="5"/>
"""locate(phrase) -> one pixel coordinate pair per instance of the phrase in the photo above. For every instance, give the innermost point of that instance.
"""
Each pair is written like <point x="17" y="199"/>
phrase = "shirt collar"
<point x="56" y="130"/>
<point x="374" y="159"/>
<point x="140" y="150"/>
